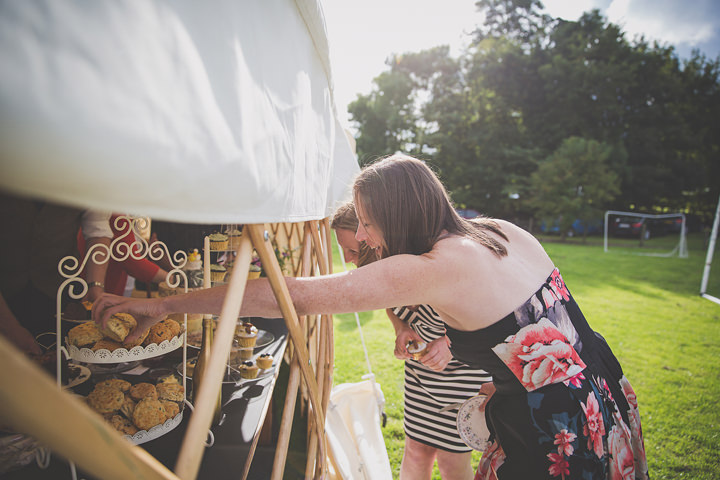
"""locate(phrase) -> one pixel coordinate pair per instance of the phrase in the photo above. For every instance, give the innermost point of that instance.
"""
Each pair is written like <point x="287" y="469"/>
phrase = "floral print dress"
<point x="563" y="408"/>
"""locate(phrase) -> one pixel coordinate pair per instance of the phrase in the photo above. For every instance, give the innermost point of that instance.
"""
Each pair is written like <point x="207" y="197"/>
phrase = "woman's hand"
<point x="403" y="336"/>
<point x="438" y="354"/>
<point x="147" y="312"/>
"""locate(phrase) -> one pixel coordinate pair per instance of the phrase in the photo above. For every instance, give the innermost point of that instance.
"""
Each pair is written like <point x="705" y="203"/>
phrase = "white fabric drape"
<point x="207" y="112"/>
<point x="352" y="428"/>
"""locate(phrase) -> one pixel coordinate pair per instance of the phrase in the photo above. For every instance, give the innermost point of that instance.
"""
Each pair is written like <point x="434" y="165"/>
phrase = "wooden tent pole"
<point x="31" y="401"/>
<point x="281" y="449"/>
<point x="279" y="287"/>
<point x="192" y="449"/>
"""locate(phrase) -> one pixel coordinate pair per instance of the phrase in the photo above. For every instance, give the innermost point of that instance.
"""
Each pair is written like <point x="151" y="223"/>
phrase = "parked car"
<point x="636" y="226"/>
<point x="578" y="227"/>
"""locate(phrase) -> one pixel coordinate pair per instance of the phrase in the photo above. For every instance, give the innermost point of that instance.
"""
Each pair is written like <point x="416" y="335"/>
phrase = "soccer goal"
<point x="709" y="257"/>
<point x="645" y="226"/>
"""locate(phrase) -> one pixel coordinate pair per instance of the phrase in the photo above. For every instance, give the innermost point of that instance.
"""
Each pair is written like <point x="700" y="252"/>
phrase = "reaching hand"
<point x="147" y="312"/>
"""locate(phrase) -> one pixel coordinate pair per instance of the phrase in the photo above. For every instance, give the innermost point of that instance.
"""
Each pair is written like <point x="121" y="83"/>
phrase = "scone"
<point x="106" y="399"/>
<point x="170" y="391"/>
<point x="128" y="406"/>
<point x="119" y="383"/>
<point x="106" y="344"/>
<point x="148" y="413"/>
<point x="143" y="390"/>
<point x="161" y="331"/>
<point x="119" y="326"/>
<point x="123" y="425"/>
<point x="171" y="408"/>
<point x="138" y="341"/>
<point x="84" y="335"/>
<point x="265" y="361"/>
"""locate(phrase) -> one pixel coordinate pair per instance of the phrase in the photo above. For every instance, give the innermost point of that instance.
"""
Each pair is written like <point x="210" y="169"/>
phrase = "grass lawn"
<point x="665" y="335"/>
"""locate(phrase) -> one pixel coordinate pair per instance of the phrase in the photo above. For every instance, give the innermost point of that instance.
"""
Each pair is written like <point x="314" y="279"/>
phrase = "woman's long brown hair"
<point x="409" y="204"/>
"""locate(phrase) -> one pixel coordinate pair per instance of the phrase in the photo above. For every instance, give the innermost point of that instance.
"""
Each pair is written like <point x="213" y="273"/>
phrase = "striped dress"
<point x="427" y="391"/>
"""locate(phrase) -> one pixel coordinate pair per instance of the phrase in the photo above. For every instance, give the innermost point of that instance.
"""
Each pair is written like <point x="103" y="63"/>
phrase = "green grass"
<point x="665" y="335"/>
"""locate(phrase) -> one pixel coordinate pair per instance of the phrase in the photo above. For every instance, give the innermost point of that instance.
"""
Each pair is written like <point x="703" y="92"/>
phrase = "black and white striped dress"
<point x="427" y="391"/>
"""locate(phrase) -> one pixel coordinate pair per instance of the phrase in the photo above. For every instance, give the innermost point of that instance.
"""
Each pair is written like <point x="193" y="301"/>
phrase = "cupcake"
<point x="265" y="361"/>
<point x="248" y="369"/>
<point x="217" y="272"/>
<point x="417" y="349"/>
<point x="234" y="236"/>
<point x="246" y="334"/>
<point x="218" y="241"/>
<point x="254" y="271"/>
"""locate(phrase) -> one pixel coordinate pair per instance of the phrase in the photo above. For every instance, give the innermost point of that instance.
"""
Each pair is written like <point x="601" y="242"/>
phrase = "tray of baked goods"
<point x="142" y="411"/>
<point x="238" y="369"/>
<point x="88" y="343"/>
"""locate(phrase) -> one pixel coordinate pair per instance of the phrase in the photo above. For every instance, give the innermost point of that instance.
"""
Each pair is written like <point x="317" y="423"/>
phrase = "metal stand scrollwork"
<point x="128" y="244"/>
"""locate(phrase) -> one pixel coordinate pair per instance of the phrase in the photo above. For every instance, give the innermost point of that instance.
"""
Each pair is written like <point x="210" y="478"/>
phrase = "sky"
<point x="363" y="34"/>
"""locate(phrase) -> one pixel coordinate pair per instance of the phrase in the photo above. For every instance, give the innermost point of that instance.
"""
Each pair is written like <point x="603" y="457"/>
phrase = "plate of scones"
<point x="88" y="343"/>
<point x="143" y="411"/>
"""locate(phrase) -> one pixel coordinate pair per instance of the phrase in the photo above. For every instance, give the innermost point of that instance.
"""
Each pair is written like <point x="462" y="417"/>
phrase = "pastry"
<point x="123" y="425"/>
<point x="234" y="237"/>
<point x="218" y="241"/>
<point x="128" y="406"/>
<point x="254" y="271"/>
<point x="143" y="390"/>
<point x="265" y="361"/>
<point x="148" y="413"/>
<point x="246" y="334"/>
<point x="163" y="330"/>
<point x="171" y="378"/>
<point x="119" y="326"/>
<point x="84" y="335"/>
<point x="190" y="366"/>
<point x="106" y="344"/>
<point x="248" y="369"/>
<point x="217" y="272"/>
<point x="118" y="383"/>
<point x="171" y="408"/>
<point x="417" y="349"/>
<point x="138" y="341"/>
<point x="170" y="391"/>
<point x="106" y="399"/>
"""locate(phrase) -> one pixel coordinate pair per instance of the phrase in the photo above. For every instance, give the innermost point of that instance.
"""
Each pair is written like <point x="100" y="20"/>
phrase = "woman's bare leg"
<point x="455" y="466"/>
<point x="418" y="460"/>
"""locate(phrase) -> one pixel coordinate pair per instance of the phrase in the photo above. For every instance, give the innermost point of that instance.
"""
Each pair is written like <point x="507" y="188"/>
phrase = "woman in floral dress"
<point x="562" y="407"/>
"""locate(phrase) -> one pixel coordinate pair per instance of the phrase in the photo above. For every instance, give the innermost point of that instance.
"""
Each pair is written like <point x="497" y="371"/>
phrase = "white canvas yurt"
<point x="198" y="112"/>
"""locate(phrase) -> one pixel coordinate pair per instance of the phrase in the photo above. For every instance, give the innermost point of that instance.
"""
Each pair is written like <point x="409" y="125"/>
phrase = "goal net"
<point x="652" y="232"/>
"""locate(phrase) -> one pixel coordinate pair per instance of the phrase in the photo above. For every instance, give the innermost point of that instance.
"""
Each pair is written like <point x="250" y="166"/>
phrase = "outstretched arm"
<point x="398" y="280"/>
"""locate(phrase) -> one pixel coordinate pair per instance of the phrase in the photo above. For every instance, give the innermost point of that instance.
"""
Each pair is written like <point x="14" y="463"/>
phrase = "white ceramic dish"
<point x="471" y="423"/>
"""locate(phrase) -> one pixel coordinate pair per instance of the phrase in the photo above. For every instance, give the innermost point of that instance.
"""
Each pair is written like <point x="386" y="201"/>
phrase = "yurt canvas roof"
<point x="206" y="112"/>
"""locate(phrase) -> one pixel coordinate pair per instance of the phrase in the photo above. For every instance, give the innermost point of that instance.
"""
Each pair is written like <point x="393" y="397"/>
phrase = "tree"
<point x="574" y="183"/>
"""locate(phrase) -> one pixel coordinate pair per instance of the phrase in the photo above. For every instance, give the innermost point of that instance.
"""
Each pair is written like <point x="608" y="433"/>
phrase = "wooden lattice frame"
<point x="26" y="391"/>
